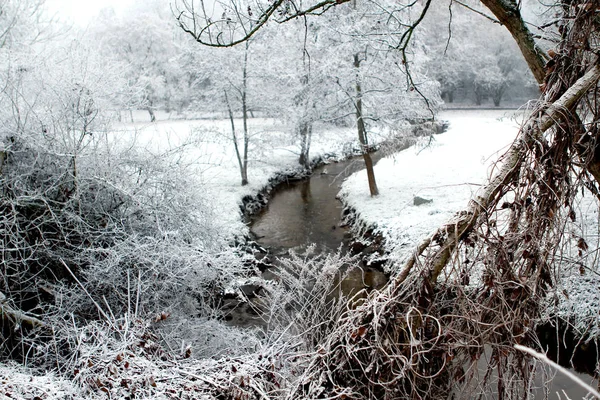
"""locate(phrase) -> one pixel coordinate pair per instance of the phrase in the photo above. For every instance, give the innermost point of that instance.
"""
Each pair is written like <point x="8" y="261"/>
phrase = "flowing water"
<point x="308" y="212"/>
<point x="304" y="213"/>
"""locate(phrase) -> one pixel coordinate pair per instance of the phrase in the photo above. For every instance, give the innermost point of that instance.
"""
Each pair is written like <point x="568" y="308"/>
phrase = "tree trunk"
<point x="478" y="95"/>
<point x="304" y="123"/>
<point x="235" y="142"/>
<point x="362" y="131"/>
<point x="152" y="115"/>
<point x="305" y="133"/>
<point x="497" y="96"/>
<point x="508" y="13"/>
<point x="509" y="170"/>
<point x="245" y="116"/>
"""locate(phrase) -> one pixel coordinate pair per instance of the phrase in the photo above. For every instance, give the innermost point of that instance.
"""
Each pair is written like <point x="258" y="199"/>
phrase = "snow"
<point x="448" y="171"/>
<point x="18" y="382"/>
<point x="206" y="149"/>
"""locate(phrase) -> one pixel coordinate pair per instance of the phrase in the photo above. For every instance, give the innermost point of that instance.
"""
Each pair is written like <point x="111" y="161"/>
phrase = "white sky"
<point x="82" y="11"/>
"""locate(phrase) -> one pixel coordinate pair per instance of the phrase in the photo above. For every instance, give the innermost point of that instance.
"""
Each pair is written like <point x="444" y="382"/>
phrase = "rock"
<point x="417" y="201"/>
<point x="377" y="263"/>
<point x="264" y="265"/>
<point x="369" y="250"/>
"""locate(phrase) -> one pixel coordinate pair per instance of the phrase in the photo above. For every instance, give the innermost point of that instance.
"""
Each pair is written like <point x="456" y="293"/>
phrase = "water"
<point x="306" y="212"/>
<point x="300" y="214"/>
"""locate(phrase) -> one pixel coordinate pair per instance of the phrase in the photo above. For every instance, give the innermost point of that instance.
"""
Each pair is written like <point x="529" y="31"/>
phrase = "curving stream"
<point x="308" y="212"/>
<point x="299" y="214"/>
<point x="305" y="212"/>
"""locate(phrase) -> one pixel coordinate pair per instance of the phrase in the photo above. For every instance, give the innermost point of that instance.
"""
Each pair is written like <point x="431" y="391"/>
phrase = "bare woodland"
<point x="471" y="291"/>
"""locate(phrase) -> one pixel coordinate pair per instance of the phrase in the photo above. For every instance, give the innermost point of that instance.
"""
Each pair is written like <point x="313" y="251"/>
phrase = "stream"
<point x="300" y="214"/>
<point x="306" y="212"/>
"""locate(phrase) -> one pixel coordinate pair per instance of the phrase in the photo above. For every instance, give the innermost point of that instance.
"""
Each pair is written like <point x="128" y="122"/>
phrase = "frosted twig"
<point x="566" y="372"/>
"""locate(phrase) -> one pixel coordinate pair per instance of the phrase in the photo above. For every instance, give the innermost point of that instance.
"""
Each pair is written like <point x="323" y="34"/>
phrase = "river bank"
<point x="445" y="176"/>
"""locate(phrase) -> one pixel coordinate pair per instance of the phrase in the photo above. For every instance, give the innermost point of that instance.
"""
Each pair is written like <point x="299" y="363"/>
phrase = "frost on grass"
<point x="18" y="382"/>
<point x="307" y="300"/>
<point x="131" y="363"/>
<point x="168" y="357"/>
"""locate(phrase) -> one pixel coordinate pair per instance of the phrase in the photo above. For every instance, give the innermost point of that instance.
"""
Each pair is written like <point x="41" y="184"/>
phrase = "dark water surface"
<point x="307" y="212"/>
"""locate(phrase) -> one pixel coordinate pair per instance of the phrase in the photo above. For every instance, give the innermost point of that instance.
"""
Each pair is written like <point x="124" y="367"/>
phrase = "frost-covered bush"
<point x="94" y="226"/>
<point x="306" y="300"/>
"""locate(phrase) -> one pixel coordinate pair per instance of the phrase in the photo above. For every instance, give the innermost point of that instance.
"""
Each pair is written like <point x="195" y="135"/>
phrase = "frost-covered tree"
<point x="353" y="47"/>
<point x="143" y="42"/>
<point x="473" y="55"/>
<point x="372" y="77"/>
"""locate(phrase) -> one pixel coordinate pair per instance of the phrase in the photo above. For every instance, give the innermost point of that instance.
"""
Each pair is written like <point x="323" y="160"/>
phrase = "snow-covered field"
<point x="448" y="171"/>
<point x="206" y="149"/>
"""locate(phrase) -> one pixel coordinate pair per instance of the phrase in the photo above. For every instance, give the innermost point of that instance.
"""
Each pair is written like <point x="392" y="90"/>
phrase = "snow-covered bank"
<point x="448" y="171"/>
<point x="206" y="148"/>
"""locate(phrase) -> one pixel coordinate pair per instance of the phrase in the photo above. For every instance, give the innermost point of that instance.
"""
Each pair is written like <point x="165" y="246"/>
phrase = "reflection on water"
<point x="308" y="212"/>
<point x="301" y="213"/>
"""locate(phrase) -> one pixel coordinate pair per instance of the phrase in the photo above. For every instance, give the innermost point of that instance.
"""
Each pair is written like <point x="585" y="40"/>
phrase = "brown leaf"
<point x="362" y="331"/>
<point x="582" y="244"/>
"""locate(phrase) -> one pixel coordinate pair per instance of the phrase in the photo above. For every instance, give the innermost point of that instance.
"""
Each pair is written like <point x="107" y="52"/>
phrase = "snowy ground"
<point x="449" y="172"/>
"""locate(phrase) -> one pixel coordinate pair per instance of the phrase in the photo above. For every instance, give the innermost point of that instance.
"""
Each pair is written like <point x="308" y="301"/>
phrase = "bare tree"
<point x="362" y="130"/>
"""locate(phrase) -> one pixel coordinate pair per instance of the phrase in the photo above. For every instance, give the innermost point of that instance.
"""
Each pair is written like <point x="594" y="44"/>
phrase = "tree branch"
<point x="458" y="230"/>
<point x="507" y="12"/>
<point x="17" y="317"/>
